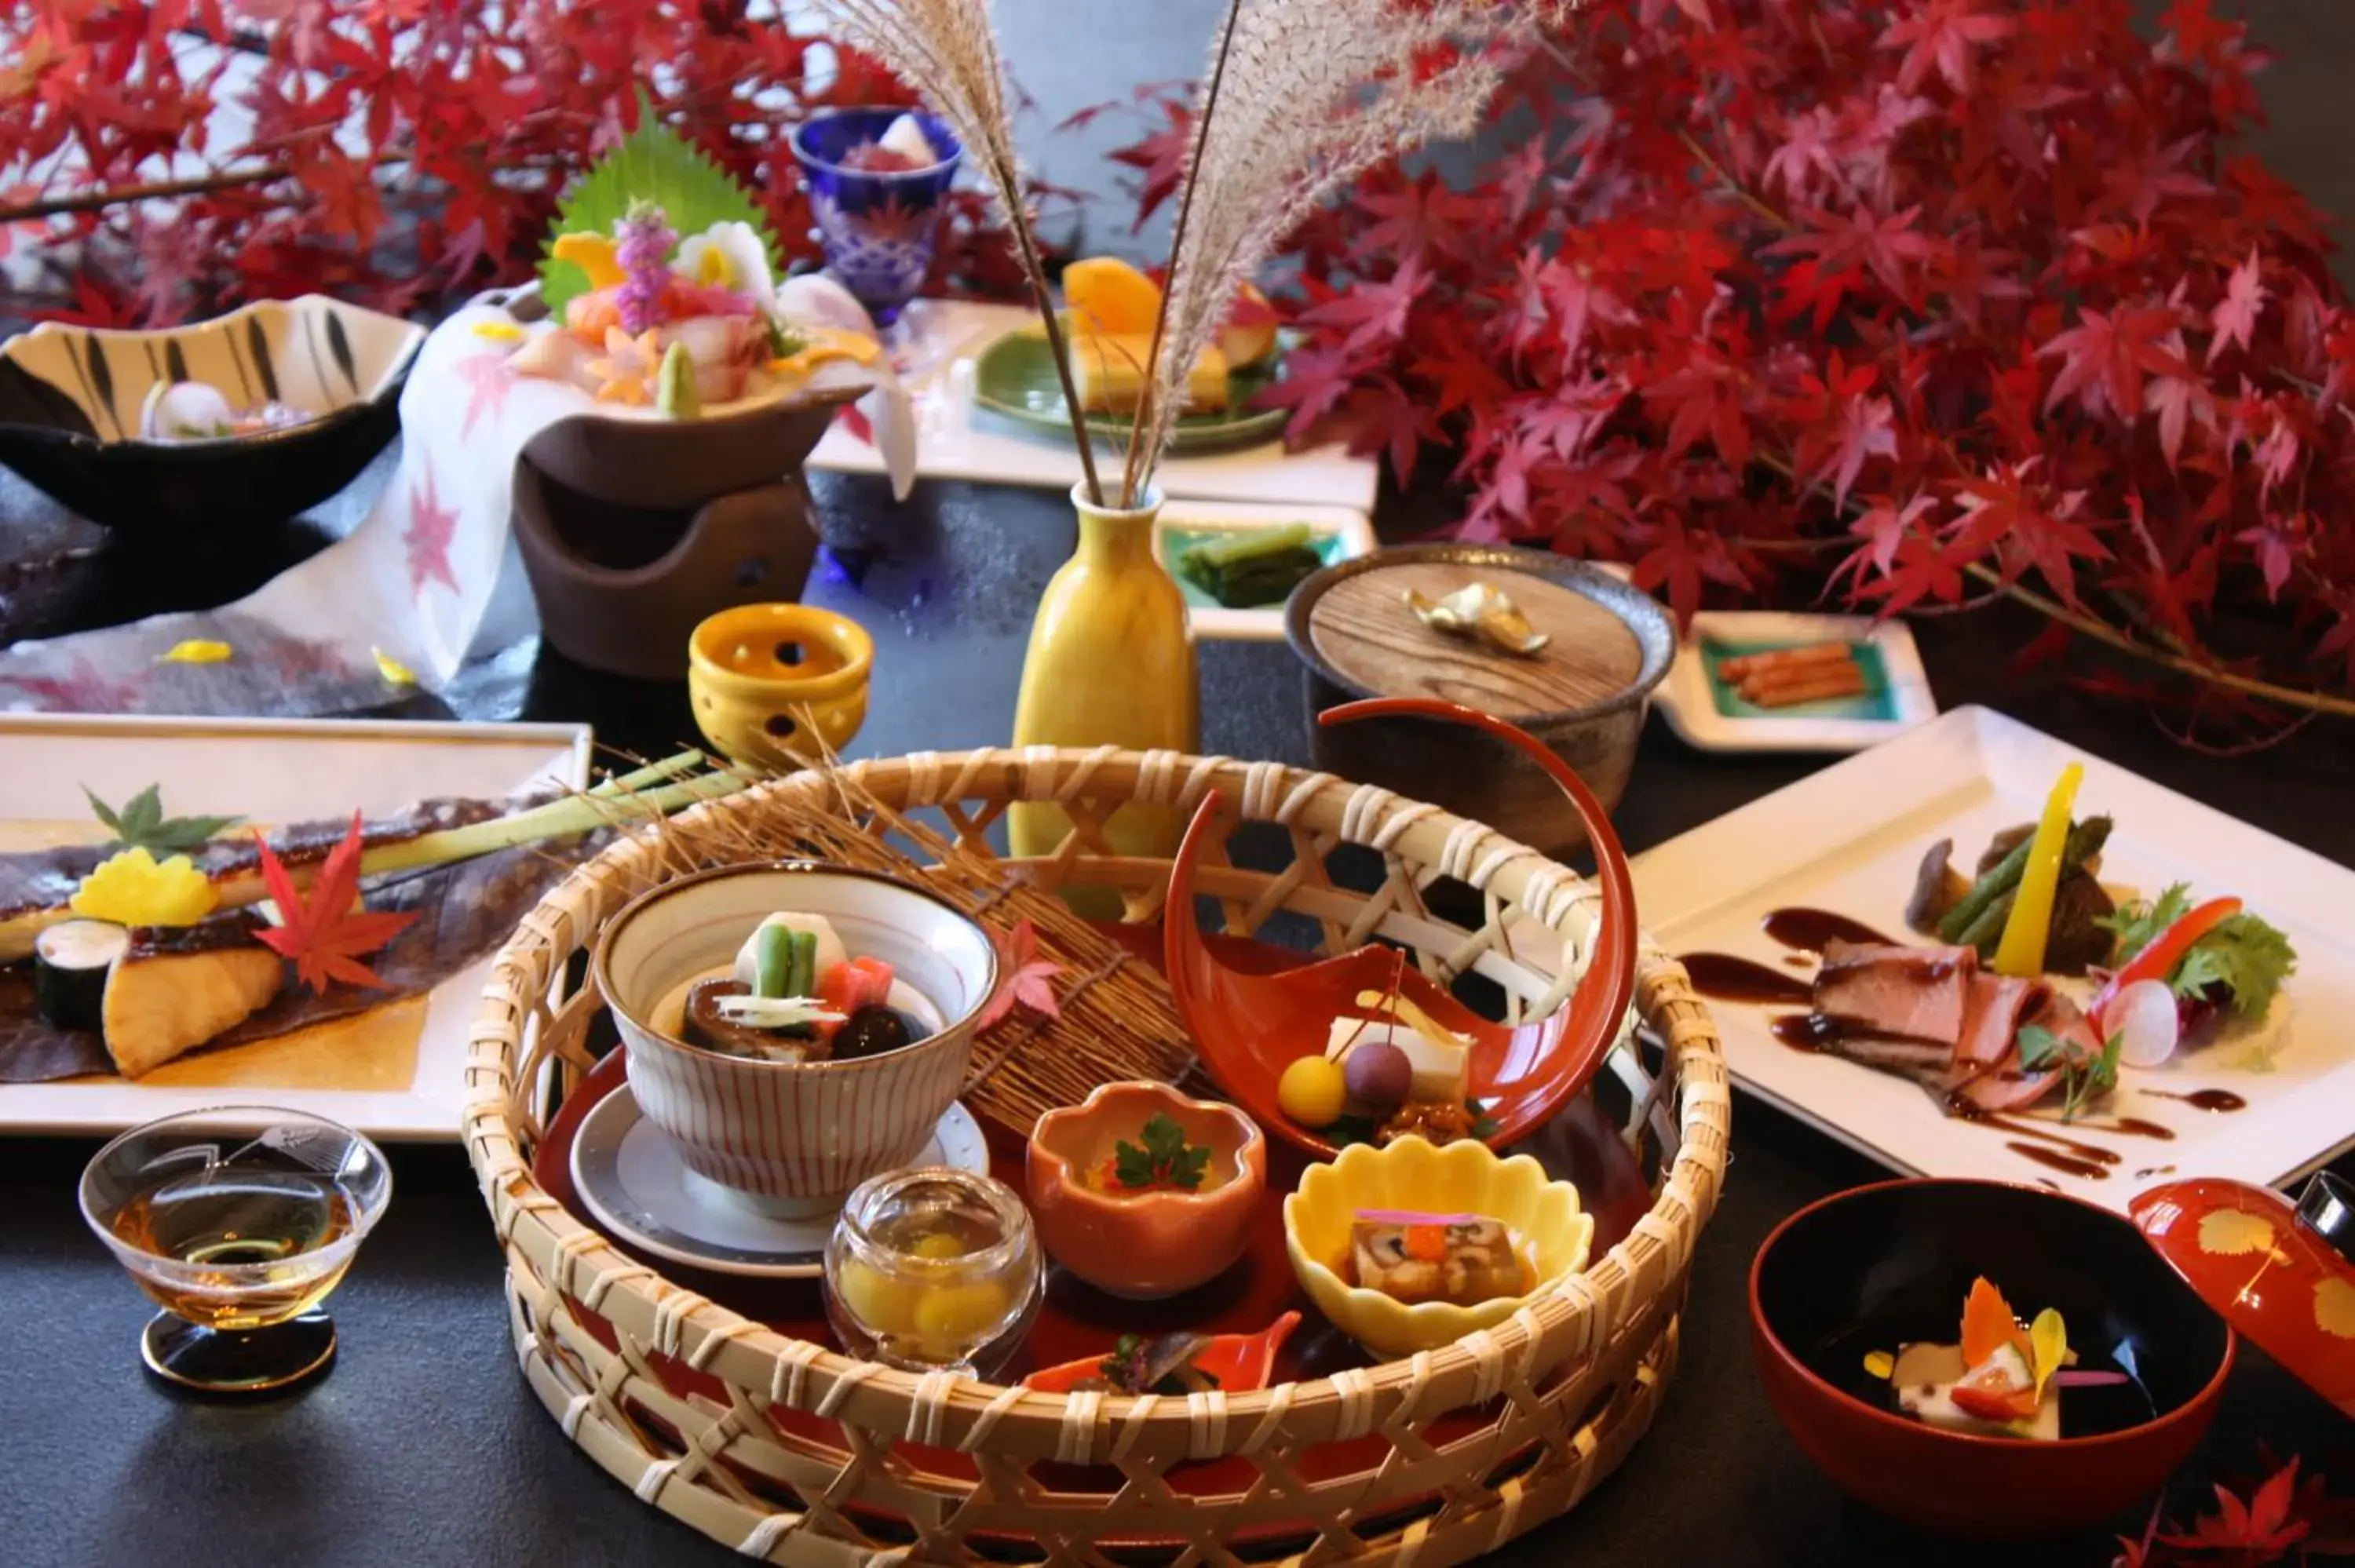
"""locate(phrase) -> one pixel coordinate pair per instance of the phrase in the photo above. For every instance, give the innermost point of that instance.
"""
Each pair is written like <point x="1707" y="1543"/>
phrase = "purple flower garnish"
<point x="643" y="255"/>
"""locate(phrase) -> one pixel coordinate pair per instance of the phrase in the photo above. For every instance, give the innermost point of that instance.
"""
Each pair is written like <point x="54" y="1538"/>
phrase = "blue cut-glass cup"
<point x="879" y="229"/>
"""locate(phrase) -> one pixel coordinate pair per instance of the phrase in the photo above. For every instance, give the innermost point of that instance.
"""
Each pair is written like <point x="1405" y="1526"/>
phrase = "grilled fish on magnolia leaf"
<point x="35" y="885"/>
<point x="464" y="911"/>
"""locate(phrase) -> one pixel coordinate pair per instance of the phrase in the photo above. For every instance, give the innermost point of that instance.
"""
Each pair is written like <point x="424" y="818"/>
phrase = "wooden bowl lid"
<point x="1362" y="629"/>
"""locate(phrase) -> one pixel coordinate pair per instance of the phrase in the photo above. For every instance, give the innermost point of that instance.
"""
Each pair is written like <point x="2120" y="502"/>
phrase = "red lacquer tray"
<point x="1581" y="1145"/>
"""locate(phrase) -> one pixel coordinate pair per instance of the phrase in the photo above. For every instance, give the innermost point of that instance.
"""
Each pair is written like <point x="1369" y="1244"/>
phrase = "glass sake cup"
<point x="237" y="1222"/>
<point x="934" y="1268"/>
<point x="879" y="229"/>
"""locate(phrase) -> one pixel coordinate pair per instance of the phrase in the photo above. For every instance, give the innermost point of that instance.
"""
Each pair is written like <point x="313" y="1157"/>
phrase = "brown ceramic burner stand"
<point x="633" y="531"/>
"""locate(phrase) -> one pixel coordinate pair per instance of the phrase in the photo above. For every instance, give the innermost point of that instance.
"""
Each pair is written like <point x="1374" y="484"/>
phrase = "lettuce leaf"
<point x="2243" y="954"/>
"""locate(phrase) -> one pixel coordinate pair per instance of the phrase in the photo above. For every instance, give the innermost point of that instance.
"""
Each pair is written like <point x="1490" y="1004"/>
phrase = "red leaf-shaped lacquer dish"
<point x="1250" y="1027"/>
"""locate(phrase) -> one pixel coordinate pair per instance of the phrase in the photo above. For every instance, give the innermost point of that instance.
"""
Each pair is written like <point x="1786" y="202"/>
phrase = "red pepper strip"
<point x="2157" y="960"/>
<point x="1991" y="1404"/>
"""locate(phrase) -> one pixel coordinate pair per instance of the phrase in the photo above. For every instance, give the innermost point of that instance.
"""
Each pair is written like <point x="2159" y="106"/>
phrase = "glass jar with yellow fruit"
<point x="932" y="1267"/>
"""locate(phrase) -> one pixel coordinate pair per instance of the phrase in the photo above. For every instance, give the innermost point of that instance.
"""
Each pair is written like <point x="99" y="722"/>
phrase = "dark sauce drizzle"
<point x="1809" y="930"/>
<point x="1727" y="978"/>
<point x="2217" y="1100"/>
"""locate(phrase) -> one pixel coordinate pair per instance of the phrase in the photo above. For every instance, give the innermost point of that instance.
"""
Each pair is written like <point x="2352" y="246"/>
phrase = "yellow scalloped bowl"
<point x="1466" y="1177"/>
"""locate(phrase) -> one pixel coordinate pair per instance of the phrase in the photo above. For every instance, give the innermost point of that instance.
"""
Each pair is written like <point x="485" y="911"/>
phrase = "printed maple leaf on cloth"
<point x="1023" y="978"/>
<point x="325" y="934"/>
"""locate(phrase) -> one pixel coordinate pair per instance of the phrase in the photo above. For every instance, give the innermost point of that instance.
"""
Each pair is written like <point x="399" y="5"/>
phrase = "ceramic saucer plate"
<point x="630" y="1176"/>
<point x="1707" y="711"/>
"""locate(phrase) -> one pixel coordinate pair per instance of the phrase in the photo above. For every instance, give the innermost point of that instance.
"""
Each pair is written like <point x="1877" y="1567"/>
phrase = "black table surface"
<point x="424" y="1445"/>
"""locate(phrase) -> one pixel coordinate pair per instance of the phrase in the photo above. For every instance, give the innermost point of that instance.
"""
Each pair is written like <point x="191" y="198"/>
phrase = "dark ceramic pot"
<point x="1468" y="773"/>
<point x="70" y="399"/>
<point x="634" y="531"/>
<point x="1900" y="1257"/>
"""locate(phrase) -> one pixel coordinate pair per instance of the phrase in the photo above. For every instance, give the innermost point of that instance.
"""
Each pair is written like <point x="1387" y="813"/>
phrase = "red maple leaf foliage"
<point x="398" y="154"/>
<point x="325" y="933"/>
<point x="1023" y="978"/>
<point x="1909" y="302"/>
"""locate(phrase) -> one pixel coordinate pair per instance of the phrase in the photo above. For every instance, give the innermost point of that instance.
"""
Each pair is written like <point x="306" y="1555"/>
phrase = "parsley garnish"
<point x="1166" y="1160"/>
<point x="2243" y="955"/>
<point x="141" y="824"/>
<point x="2246" y="957"/>
<point x="2083" y="1076"/>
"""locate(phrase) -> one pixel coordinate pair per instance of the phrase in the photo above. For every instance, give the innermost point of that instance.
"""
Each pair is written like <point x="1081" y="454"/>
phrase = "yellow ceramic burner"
<point x="776" y="685"/>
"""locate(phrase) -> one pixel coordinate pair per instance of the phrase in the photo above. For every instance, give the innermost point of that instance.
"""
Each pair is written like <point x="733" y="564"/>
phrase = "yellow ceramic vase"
<point x="1110" y="663"/>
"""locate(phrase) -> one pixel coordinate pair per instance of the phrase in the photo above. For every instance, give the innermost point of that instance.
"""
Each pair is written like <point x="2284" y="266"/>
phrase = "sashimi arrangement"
<point x="660" y="284"/>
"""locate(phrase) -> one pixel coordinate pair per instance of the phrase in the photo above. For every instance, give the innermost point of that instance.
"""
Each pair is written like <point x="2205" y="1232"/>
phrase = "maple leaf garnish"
<point x="325" y="934"/>
<point x="2260" y="1530"/>
<point x="1023" y="976"/>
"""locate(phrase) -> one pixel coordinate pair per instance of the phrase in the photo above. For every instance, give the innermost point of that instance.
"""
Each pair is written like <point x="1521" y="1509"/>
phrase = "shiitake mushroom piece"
<point x="707" y="1026"/>
<point x="873" y="1030"/>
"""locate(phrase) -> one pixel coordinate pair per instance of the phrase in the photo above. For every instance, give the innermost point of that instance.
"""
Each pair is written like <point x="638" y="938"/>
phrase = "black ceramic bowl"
<point x="70" y="399"/>
<point x="1892" y="1262"/>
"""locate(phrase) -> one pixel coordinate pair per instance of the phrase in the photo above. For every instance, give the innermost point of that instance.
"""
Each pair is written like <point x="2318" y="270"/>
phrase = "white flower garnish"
<point x="728" y="256"/>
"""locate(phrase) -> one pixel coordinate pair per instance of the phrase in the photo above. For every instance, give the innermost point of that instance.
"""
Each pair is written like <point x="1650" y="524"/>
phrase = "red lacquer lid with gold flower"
<point x="2282" y="1277"/>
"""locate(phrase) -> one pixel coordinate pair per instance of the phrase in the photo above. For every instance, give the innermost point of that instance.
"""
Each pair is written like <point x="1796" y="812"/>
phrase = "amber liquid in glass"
<point x="231" y="1220"/>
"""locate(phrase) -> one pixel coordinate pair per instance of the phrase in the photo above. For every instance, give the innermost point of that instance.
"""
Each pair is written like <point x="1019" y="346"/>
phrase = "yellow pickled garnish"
<point x="197" y="651"/>
<point x="132" y="889"/>
<point x="2049" y="1337"/>
<point x="1880" y="1364"/>
<point x="826" y="344"/>
<point x="392" y="669"/>
<point x="593" y="254"/>
<point x="499" y="332"/>
<point x="883" y="1305"/>
<point x="950" y="1318"/>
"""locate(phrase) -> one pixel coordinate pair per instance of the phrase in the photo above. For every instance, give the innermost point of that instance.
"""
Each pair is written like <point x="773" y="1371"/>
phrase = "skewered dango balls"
<point x="1312" y="1091"/>
<point x="1378" y="1076"/>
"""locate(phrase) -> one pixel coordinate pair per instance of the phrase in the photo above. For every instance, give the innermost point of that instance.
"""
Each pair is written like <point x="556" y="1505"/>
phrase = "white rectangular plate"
<point x="1689" y="700"/>
<point x="269" y="770"/>
<point x="1850" y="837"/>
<point x="1339" y="532"/>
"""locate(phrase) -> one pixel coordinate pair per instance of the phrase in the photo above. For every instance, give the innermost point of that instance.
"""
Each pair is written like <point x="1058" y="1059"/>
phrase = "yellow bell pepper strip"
<point x="2020" y="953"/>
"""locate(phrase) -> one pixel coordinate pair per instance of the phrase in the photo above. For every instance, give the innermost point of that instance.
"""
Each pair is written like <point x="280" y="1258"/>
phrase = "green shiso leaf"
<point x="652" y="164"/>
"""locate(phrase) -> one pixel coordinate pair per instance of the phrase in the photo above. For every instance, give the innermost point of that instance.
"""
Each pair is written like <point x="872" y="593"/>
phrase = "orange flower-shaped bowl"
<point x="1152" y="1244"/>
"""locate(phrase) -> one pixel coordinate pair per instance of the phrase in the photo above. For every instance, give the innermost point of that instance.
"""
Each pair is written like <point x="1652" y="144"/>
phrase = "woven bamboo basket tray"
<point x="707" y="1414"/>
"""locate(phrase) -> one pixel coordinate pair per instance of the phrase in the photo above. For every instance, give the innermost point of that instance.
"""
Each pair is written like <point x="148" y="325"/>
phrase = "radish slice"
<point x="2145" y="1019"/>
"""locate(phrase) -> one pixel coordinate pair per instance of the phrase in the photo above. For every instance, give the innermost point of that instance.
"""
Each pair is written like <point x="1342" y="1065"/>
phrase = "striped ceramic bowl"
<point x="787" y="1139"/>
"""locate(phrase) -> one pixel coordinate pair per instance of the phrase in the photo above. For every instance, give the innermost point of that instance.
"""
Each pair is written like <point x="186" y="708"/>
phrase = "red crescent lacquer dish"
<point x="1249" y="1026"/>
